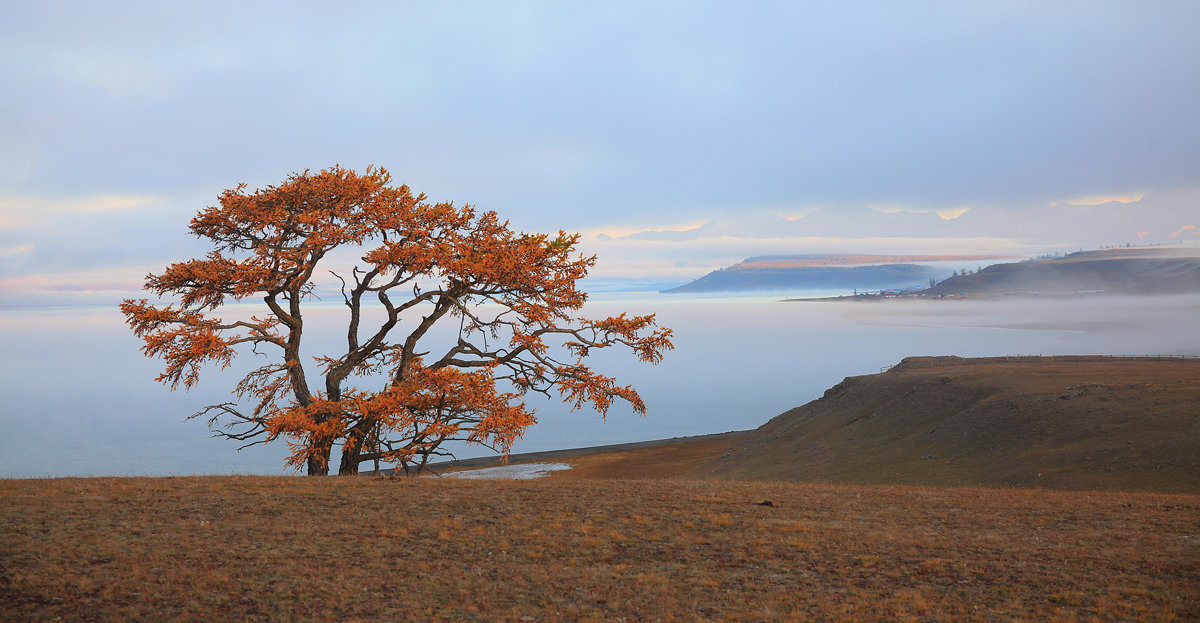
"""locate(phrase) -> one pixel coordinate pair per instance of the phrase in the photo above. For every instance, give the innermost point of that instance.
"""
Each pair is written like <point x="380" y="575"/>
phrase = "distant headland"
<point x="789" y="272"/>
<point x="1130" y="271"/>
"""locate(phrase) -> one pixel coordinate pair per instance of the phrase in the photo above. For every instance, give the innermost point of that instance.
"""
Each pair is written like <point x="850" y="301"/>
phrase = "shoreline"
<point x="526" y="457"/>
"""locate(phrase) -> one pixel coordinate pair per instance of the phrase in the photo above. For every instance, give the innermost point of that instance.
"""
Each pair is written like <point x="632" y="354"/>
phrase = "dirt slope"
<point x="1062" y="423"/>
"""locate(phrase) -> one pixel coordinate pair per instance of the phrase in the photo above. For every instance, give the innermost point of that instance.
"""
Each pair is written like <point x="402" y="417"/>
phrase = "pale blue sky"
<point x="876" y="126"/>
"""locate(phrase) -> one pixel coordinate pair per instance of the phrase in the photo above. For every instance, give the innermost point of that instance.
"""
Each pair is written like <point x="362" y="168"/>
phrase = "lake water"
<point x="80" y="398"/>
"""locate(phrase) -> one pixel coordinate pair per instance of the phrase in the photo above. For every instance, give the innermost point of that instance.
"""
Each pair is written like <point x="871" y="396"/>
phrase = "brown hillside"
<point x="1054" y="422"/>
<point x="1062" y="422"/>
<point x="1129" y="271"/>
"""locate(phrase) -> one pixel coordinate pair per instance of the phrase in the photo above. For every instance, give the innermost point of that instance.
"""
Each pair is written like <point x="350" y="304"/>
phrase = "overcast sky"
<point x="766" y="127"/>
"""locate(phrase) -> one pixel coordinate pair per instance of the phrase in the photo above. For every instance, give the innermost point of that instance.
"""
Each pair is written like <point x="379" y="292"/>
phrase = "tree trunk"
<point x="352" y="447"/>
<point x="319" y="465"/>
<point x="350" y="461"/>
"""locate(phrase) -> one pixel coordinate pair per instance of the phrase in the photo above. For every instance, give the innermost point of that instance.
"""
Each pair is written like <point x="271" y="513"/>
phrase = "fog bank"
<point x="82" y="399"/>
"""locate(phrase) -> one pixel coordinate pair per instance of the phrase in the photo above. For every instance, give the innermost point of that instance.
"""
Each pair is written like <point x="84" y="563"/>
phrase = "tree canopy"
<point x="392" y="394"/>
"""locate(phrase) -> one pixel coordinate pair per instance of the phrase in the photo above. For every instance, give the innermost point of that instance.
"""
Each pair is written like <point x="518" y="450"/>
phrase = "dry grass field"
<point x="370" y="549"/>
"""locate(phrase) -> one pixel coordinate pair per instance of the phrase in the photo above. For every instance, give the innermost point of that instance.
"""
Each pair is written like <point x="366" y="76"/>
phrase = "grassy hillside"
<point x="1131" y="424"/>
<point x="429" y="549"/>
<point x="1056" y="422"/>
<point x="1129" y="271"/>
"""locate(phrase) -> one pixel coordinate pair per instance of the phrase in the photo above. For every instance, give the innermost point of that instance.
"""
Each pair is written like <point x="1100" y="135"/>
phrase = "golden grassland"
<point x="367" y="549"/>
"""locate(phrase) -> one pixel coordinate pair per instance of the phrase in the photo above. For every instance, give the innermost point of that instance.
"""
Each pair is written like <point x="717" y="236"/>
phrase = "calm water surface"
<point x="81" y="399"/>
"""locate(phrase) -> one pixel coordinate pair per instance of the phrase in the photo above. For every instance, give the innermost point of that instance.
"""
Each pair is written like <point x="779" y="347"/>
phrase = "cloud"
<point x="32" y="211"/>
<point x="633" y="258"/>
<point x="1142" y="234"/>
<point x="97" y="285"/>
<point x="749" y="224"/>
<point x="946" y="214"/>
<point x="16" y="249"/>
<point x="1095" y="200"/>
<point x="849" y="221"/>
<point x="795" y="215"/>
<point x="787" y="105"/>
<point x="123" y="278"/>
<point x="949" y="214"/>
<point x="622" y="231"/>
<point x="1182" y="229"/>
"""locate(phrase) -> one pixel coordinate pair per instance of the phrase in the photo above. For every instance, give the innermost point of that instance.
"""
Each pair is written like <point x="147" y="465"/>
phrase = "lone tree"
<point x="391" y="395"/>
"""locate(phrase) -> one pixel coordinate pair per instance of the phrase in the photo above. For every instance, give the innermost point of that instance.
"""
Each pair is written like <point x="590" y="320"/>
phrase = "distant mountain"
<point x="1129" y="271"/>
<point x="810" y="278"/>
<point x="815" y="272"/>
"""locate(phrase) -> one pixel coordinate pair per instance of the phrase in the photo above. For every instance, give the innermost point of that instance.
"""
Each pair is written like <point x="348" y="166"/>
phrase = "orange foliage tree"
<point x="391" y="395"/>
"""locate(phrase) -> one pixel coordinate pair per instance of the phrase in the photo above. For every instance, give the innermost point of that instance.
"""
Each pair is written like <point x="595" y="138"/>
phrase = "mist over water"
<point x="81" y="398"/>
